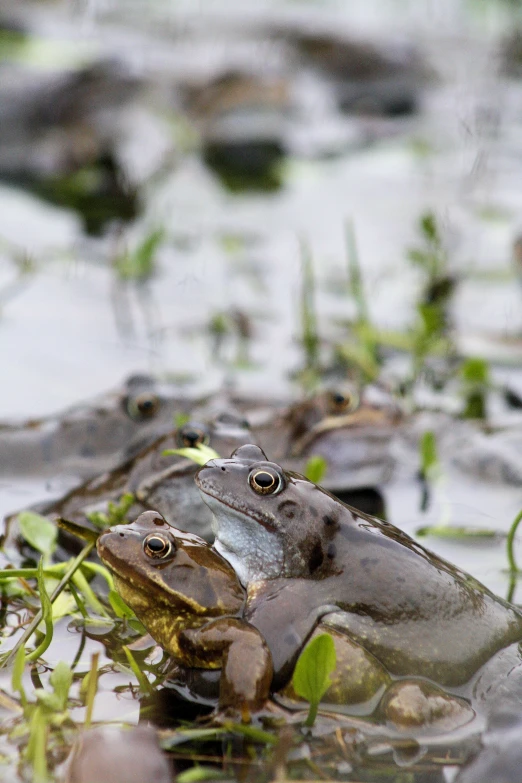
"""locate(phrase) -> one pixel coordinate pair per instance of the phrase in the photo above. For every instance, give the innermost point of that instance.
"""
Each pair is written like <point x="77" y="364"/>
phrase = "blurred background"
<point x="168" y="169"/>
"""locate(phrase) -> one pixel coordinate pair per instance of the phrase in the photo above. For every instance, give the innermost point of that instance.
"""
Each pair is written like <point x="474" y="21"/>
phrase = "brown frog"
<point x="351" y="428"/>
<point x="158" y="481"/>
<point x="94" y="436"/>
<point x="192" y="603"/>
<point x="304" y="556"/>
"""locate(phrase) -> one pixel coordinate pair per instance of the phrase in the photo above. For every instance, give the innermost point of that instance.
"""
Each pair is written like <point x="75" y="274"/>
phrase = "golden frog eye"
<point x="342" y="401"/>
<point x="143" y="406"/>
<point x="157" y="546"/>
<point x="265" y="481"/>
<point x="191" y="435"/>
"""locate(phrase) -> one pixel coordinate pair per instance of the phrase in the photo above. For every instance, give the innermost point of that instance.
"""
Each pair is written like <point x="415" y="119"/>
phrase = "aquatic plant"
<point x="312" y="671"/>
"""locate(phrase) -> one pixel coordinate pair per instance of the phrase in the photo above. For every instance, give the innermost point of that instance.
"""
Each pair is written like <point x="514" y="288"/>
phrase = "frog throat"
<point x="253" y="551"/>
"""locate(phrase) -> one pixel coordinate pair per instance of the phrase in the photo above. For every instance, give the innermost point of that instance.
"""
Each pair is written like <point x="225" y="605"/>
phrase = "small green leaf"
<point x="197" y="774"/>
<point x="312" y="672"/>
<point x="475" y="370"/>
<point x="428" y="453"/>
<point x="119" y="606"/>
<point x="48" y="700"/>
<point x="315" y="469"/>
<point x="201" y="454"/>
<point x="61" y="680"/>
<point x="180" y="419"/>
<point x="428" y="226"/>
<point x="38" y="531"/>
<point x="145" y="685"/>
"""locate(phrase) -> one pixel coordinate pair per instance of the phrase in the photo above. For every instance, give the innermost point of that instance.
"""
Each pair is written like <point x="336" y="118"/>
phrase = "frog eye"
<point x="157" y="546"/>
<point x="342" y="401"/>
<point x="191" y="435"/>
<point x="265" y="481"/>
<point x="143" y="406"/>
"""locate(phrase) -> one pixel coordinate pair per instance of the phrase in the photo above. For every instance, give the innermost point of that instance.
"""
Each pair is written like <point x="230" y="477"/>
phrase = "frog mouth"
<point x="215" y="502"/>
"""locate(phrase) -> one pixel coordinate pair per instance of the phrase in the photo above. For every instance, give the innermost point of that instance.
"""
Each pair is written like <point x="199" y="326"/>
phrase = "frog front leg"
<point x="243" y="656"/>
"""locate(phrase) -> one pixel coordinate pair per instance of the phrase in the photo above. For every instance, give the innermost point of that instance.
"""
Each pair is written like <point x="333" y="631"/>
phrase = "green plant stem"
<point x="513" y="570"/>
<point x="510" y="541"/>
<point x="91" y="689"/>
<point x="47" y="614"/>
<point x="142" y="680"/>
<point x="312" y="714"/>
<point x="57" y="591"/>
<point x="29" y="573"/>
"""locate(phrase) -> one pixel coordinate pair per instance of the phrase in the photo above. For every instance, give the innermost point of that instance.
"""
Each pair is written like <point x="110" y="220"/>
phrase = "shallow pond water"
<point x="72" y="327"/>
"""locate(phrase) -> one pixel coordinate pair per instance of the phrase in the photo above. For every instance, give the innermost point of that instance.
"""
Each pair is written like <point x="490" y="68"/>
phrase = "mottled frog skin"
<point x="191" y="602"/>
<point x="295" y="545"/>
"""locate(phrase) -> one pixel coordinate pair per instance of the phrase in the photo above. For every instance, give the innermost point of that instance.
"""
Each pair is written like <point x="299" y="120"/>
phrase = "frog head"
<point x="268" y="522"/>
<point x="171" y="579"/>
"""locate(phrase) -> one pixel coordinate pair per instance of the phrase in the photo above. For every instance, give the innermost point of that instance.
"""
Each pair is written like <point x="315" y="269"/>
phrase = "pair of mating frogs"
<point x="420" y="644"/>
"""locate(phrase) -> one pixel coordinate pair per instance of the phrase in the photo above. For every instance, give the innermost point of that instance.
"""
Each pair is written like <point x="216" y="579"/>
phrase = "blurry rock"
<point x="241" y="118"/>
<point x="367" y="79"/>
<point x="59" y="134"/>
<point x="116" y="755"/>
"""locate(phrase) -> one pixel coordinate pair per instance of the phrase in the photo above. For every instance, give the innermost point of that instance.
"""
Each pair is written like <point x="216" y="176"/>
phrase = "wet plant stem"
<point x="57" y="591"/>
<point x="513" y="570"/>
<point x="91" y="689"/>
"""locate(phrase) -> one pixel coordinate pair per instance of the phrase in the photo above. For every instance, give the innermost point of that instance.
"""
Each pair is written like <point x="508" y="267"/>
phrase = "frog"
<point x="296" y="547"/>
<point x="190" y="600"/>
<point x="350" y="426"/>
<point x="156" y="480"/>
<point x="92" y="437"/>
<point x="192" y="603"/>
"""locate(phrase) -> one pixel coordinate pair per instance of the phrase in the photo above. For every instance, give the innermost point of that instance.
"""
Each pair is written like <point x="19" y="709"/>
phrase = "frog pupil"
<point x="339" y="398"/>
<point x="264" y="480"/>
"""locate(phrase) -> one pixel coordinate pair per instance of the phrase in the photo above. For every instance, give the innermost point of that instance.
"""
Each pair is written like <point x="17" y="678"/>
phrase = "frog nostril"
<point x="223" y="468"/>
<point x="121" y="535"/>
